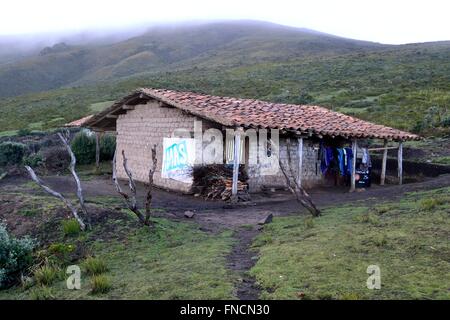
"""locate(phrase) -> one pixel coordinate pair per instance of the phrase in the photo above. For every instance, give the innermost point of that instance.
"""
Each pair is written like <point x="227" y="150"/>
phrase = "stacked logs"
<point x="215" y="182"/>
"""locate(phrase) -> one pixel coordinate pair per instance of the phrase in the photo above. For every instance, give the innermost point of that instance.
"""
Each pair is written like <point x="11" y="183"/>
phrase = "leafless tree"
<point x="301" y="195"/>
<point x="131" y="200"/>
<point x="65" y="140"/>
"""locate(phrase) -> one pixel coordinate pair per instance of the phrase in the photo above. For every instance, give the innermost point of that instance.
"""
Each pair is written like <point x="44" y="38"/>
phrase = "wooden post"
<point x="353" y="178"/>
<point x="400" y="162"/>
<point x="97" y="152"/>
<point x="236" y="161"/>
<point x="383" y="163"/>
<point x="300" y="160"/>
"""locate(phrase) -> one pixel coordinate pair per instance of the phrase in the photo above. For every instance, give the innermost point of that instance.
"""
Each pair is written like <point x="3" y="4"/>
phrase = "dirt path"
<point x="241" y="260"/>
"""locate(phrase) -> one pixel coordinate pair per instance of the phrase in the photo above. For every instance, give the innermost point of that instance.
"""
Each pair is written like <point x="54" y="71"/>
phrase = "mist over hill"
<point x="85" y="59"/>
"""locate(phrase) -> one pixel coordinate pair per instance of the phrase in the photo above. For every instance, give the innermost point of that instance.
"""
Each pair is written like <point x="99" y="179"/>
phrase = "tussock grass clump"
<point x="428" y="204"/>
<point x="100" y="284"/>
<point x="95" y="266"/>
<point x="70" y="227"/>
<point x="46" y="275"/>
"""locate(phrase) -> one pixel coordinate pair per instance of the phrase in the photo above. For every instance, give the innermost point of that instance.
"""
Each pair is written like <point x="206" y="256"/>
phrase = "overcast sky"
<point x="387" y="21"/>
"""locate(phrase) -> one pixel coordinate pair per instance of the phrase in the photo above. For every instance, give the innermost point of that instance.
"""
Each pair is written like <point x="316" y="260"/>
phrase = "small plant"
<point x="350" y="296"/>
<point x="71" y="227"/>
<point x="95" y="266"/>
<point x="23" y="132"/>
<point x="46" y="275"/>
<point x="100" y="284"/>
<point x="41" y="293"/>
<point x="369" y="218"/>
<point x="61" y="251"/>
<point x="61" y="248"/>
<point x="380" y="241"/>
<point x="30" y="212"/>
<point x="428" y="204"/>
<point x="309" y="223"/>
<point x="33" y="160"/>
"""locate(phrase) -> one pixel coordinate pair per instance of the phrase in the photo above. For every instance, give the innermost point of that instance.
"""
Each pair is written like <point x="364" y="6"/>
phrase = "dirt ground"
<point x="211" y="216"/>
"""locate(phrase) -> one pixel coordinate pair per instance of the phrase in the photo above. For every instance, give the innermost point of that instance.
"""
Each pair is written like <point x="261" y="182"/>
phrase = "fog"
<point x="45" y="22"/>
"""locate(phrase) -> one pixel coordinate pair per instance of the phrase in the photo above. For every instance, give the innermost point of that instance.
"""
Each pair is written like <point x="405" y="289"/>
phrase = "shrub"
<point x="100" y="284"/>
<point x="55" y="159"/>
<point x="107" y="147"/>
<point x="15" y="256"/>
<point x="23" y="132"/>
<point x="83" y="146"/>
<point x="33" y="160"/>
<point x="70" y="227"/>
<point x="446" y="122"/>
<point x="46" y="275"/>
<point x="95" y="266"/>
<point x="11" y="153"/>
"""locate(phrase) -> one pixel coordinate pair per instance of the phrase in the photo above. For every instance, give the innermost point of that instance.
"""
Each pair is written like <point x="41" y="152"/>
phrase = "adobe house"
<point x="146" y="116"/>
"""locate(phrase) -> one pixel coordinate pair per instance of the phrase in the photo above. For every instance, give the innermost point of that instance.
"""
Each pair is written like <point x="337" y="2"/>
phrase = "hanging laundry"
<point x="348" y="161"/>
<point x="326" y="157"/>
<point x="366" y="158"/>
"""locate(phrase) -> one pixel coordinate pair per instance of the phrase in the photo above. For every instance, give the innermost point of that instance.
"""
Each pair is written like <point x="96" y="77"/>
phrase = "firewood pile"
<point x="215" y="182"/>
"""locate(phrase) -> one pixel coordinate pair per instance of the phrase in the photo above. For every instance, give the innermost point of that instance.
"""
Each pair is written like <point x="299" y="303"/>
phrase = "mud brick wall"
<point x="138" y="130"/>
<point x="311" y="174"/>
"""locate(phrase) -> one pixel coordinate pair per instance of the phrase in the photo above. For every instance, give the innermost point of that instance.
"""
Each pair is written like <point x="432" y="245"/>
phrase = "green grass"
<point x="442" y="160"/>
<point x="100" y="106"/>
<point x="409" y="240"/>
<point x="174" y="260"/>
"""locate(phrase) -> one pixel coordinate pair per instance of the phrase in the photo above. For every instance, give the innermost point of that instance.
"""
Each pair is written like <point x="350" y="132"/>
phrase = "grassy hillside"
<point x="168" y="48"/>
<point x="403" y="86"/>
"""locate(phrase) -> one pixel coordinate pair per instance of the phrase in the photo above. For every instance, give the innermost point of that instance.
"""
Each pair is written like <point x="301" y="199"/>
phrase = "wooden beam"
<point x="353" y="178"/>
<point x="111" y="116"/>
<point x="236" y="160"/>
<point x="300" y="160"/>
<point x="383" y="148"/>
<point x="400" y="162"/>
<point x="128" y="107"/>
<point x="97" y="152"/>
<point x="383" y="163"/>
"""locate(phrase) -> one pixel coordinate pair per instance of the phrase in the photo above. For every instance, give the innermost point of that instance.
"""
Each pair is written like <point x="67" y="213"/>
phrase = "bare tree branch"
<point x="57" y="195"/>
<point x="73" y="161"/>
<point x="129" y="201"/>
<point x="301" y="195"/>
<point x="151" y="172"/>
<point x="131" y="183"/>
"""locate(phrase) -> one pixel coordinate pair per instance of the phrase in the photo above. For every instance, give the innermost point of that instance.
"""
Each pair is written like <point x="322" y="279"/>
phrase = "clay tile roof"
<point x="262" y="114"/>
<point x="79" y="122"/>
<point x="255" y="113"/>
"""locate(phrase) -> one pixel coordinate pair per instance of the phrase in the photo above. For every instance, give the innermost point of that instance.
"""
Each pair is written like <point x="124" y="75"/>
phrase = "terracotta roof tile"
<point x="79" y="122"/>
